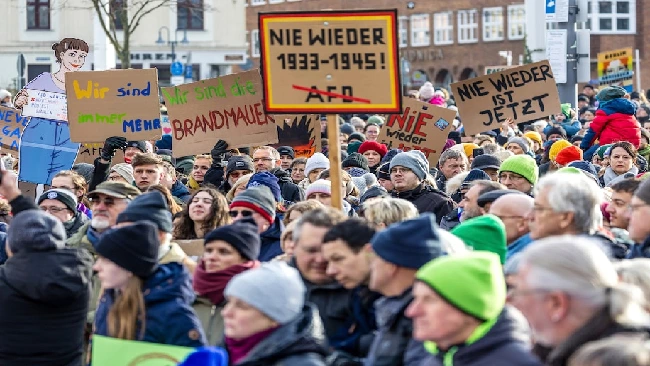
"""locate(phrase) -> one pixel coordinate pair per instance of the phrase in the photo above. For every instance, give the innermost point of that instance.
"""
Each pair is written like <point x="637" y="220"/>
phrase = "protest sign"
<point x="166" y="126"/>
<point x="89" y="151"/>
<point x="109" y="103"/>
<point x="30" y="190"/>
<point x="522" y="93"/>
<point x="228" y="108"/>
<point x="46" y="105"/>
<point x="109" y="351"/>
<point x="12" y="127"/>
<point x="492" y="69"/>
<point x="616" y="68"/>
<point x="422" y="126"/>
<point x="193" y="248"/>
<point x="330" y="62"/>
<point x="301" y="132"/>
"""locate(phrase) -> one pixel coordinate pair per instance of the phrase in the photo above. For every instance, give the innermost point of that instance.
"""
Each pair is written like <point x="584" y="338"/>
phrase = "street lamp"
<point x="169" y="40"/>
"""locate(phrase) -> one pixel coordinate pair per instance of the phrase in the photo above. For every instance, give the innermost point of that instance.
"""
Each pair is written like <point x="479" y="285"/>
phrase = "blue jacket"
<point x="571" y="128"/>
<point x="168" y="298"/>
<point x="518" y="246"/>
<point x="356" y="336"/>
<point x="271" y="247"/>
<point x="641" y="250"/>
<point x="181" y="192"/>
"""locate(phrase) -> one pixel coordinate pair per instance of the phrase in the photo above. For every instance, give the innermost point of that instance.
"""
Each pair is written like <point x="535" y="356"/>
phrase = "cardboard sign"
<point x="522" y="93"/>
<point x="118" y="352"/>
<point x="193" y="248"/>
<point x="31" y="190"/>
<point x="330" y="62"/>
<point x="46" y="105"/>
<point x="422" y="126"/>
<point x="616" y="68"/>
<point x="89" y="151"/>
<point x="301" y="132"/>
<point x="113" y="103"/>
<point x="492" y="69"/>
<point x="228" y="108"/>
<point x="12" y="127"/>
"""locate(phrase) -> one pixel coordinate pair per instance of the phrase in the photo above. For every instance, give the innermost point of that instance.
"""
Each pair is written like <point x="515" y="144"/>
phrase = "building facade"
<point x="215" y="31"/>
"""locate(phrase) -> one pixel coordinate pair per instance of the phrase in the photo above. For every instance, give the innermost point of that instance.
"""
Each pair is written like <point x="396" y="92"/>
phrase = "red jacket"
<point x="616" y="127"/>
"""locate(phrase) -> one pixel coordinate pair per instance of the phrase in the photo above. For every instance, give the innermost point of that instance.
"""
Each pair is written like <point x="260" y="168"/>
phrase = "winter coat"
<point x="3" y="248"/>
<point x="571" y="127"/>
<point x="211" y="320"/>
<point x="394" y="344"/>
<point x="441" y="182"/>
<point x="300" y="342"/>
<point x="428" y="199"/>
<point x="44" y="301"/>
<point x="614" y="122"/>
<point x="181" y="192"/>
<point x="518" y="245"/>
<point x="169" y="318"/>
<point x="290" y="191"/>
<point x="271" y="247"/>
<point x="641" y="250"/>
<point x="72" y="226"/>
<point x="355" y="337"/>
<point x="506" y="342"/>
<point x="451" y="220"/>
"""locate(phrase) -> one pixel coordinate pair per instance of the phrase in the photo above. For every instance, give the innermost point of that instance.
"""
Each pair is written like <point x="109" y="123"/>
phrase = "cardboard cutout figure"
<point x="45" y="145"/>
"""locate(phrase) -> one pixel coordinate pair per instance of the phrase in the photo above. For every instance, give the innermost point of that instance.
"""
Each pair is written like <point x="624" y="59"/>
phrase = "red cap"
<point x="381" y="149"/>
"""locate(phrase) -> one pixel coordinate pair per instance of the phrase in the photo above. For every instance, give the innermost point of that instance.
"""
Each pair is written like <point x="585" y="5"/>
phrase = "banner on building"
<point x="616" y="68"/>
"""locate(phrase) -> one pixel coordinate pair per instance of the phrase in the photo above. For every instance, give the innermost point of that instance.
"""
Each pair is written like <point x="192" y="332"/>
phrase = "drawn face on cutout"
<point x="73" y="60"/>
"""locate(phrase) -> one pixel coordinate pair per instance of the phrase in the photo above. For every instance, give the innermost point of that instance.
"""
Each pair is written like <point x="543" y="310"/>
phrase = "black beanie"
<point x="133" y="247"/>
<point x="242" y="235"/>
<point x="140" y="145"/>
<point x="239" y="163"/>
<point x="150" y="206"/>
<point x="356" y="160"/>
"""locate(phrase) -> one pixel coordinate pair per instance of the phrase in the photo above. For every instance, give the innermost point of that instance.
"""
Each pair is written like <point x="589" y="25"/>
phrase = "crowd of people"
<point x="524" y="245"/>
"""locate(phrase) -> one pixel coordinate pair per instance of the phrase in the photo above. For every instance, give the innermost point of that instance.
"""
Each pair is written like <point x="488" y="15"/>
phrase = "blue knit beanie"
<point x="474" y="174"/>
<point x="165" y="142"/>
<point x="410" y="243"/>
<point x="390" y="155"/>
<point x="269" y="180"/>
<point x="206" y="356"/>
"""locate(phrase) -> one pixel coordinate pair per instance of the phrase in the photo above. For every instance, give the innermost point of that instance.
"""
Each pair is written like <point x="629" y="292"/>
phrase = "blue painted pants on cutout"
<point x="45" y="150"/>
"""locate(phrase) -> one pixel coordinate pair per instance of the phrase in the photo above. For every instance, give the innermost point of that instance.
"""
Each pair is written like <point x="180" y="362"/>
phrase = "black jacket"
<point x="428" y="199"/>
<point x="290" y="191"/>
<point x="451" y="220"/>
<point x="100" y="174"/>
<point x="507" y="342"/>
<point x="44" y="301"/>
<point x="300" y="342"/>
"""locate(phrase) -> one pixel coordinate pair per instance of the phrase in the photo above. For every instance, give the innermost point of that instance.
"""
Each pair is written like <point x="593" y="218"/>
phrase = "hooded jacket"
<point x="506" y="342"/>
<point x="428" y="199"/>
<point x="614" y="122"/>
<point x="300" y="342"/>
<point x="271" y="247"/>
<point x="168" y="298"/>
<point x="181" y="192"/>
<point x="290" y="191"/>
<point x="44" y="301"/>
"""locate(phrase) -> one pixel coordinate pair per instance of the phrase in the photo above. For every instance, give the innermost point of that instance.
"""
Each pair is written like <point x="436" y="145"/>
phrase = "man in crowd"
<point x="286" y="157"/>
<point x="489" y="164"/>
<point x="469" y="203"/>
<point x="399" y="251"/>
<point x="147" y="170"/>
<point x="638" y="214"/>
<point x="330" y="297"/>
<point x="237" y="167"/>
<point x="62" y="204"/>
<point x="267" y="159"/>
<point x="513" y="210"/>
<point x="622" y="193"/>
<point x="121" y="172"/>
<point x="459" y="306"/>
<point x="451" y="163"/>
<point x="258" y="203"/>
<point x="519" y="172"/>
<point x="170" y="181"/>
<point x="345" y="248"/>
<point x="408" y="170"/>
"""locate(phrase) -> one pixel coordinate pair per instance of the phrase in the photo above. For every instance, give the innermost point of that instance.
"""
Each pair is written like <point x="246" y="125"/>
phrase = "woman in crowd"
<point x="374" y="152"/>
<point x="238" y="187"/>
<point x="296" y="210"/>
<point x="372" y="131"/>
<point x="207" y="210"/>
<point x="622" y="158"/>
<point x="315" y="165"/>
<point x="75" y="183"/>
<point x="298" y="170"/>
<point x="382" y="213"/>
<point x="142" y="300"/>
<point x="267" y="321"/>
<point x="229" y="250"/>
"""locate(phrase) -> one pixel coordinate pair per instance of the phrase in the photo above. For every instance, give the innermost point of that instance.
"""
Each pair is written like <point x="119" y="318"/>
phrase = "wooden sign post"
<point x="331" y="62"/>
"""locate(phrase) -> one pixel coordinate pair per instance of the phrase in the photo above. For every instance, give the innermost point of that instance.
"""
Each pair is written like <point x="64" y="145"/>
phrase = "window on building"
<point x="403" y="32"/>
<point x="38" y="14"/>
<point x="609" y="17"/>
<point x="492" y="24"/>
<point x="189" y="14"/>
<point x="443" y="28"/>
<point x="118" y="12"/>
<point x="255" y="43"/>
<point x="258" y="2"/>
<point x="275" y="1"/>
<point x="420" y="30"/>
<point x="468" y="26"/>
<point x="516" y="21"/>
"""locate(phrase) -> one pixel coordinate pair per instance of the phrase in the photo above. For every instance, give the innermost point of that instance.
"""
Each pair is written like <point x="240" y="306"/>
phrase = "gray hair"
<point x="274" y="153"/>
<point x="321" y="217"/>
<point x="452" y="154"/>
<point x="579" y="267"/>
<point x="451" y="244"/>
<point x="491" y="148"/>
<point x="574" y="193"/>
<point x="636" y="272"/>
<point x="389" y="211"/>
<point x="623" y="350"/>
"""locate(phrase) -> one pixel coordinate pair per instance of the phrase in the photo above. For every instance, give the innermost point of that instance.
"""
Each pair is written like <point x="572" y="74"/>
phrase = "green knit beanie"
<point x="484" y="233"/>
<point x="566" y="110"/>
<point x="602" y="150"/>
<point x="570" y="170"/>
<point x="472" y="282"/>
<point x="523" y="165"/>
<point x="353" y="147"/>
<point x="378" y="120"/>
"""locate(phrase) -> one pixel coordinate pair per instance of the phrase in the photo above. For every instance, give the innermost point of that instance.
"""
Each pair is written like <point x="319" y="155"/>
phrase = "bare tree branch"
<point x="141" y="13"/>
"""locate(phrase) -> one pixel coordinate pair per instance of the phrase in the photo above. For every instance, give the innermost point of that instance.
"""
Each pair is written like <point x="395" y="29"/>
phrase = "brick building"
<point x="440" y="41"/>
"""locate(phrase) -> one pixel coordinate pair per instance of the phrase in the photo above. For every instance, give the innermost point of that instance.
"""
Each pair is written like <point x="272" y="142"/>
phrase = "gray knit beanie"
<point x="414" y="160"/>
<point x="35" y="231"/>
<point x="521" y="142"/>
<point x="274" y="289"/>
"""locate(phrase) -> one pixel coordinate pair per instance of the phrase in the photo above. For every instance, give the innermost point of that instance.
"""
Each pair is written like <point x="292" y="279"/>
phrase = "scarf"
<point x="212" y="285"/>
<point x="93" y="236"/>
<point x="238" y="349"/>
<point x="84" y="210"/>
<point x="610" y="174"/>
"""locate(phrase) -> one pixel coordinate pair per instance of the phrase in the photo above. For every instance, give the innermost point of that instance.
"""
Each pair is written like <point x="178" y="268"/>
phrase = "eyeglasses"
<point x="509" y="217"/>
<point x="632" y="208"/>
<point x="512" y="177"/>
<point x="400" y="170"/>
<point x="108" y="201"/>
<point x="542" y="208"/>
<point x="513" y="292"/>
<point x="266" y="160"/>
<point x="53" y="209"/>
<point x="244" y="213"/>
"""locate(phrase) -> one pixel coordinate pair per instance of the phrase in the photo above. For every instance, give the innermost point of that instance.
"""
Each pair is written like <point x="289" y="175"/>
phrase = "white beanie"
<point x="274" y="289"/>
<point x="4" y="93"/>
<point x="427" y="91"/>
<point x="317" y="161"/>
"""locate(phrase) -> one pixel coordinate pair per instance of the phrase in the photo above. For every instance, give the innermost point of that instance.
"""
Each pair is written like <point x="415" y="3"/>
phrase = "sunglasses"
<point x="234" y="214"/>
<point x="108" y="201"/>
